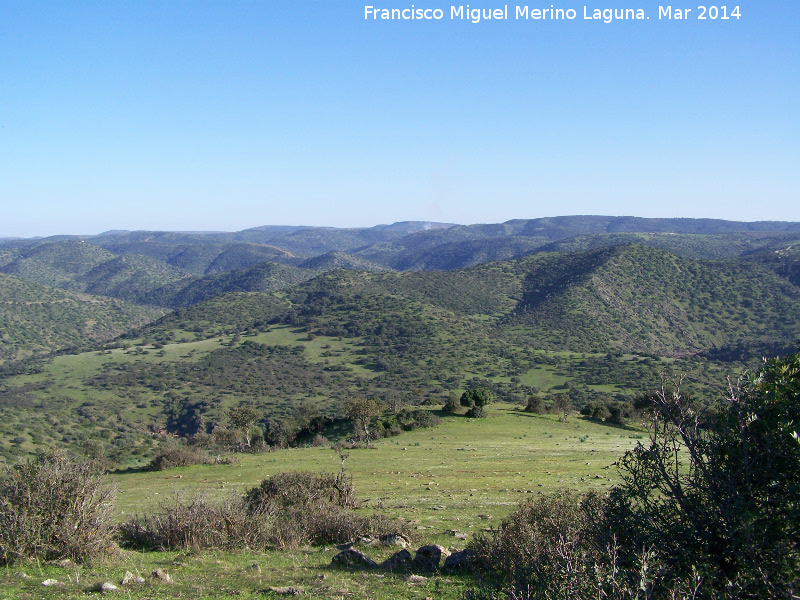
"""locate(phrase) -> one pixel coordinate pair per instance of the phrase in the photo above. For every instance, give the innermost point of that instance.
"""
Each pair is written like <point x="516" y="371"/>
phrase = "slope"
<point x="640" y="299"/>
<point x="36" y="319"/>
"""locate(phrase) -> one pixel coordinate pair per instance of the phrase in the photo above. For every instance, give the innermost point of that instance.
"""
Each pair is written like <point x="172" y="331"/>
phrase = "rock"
<point x="129" y="578"/>
<point x="255" y="568"/>
<point x="162" y="576"/>
<point x="65" y="563"/>
<point x="428" y="558"/>
<point x="418" y="579"/>
<point x="287" y="591"/>
<point x="49" y="582"/>
<point x="22" y="575"/>
<point x="459" y="561"/>
<point x="106" y="587"/>
<point x="353" y="559"/>
<point x="399" y="561"/>
<point x="395" y="539"/>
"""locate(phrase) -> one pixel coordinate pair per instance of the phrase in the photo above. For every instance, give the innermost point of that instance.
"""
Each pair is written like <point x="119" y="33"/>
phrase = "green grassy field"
<point x="452" y="481"/>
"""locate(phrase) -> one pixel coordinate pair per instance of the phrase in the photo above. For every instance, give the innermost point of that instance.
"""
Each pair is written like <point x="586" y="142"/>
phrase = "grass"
<point x="463" y="476"/>
<point x="469" y="466"/>
<point x="218" y="574"/>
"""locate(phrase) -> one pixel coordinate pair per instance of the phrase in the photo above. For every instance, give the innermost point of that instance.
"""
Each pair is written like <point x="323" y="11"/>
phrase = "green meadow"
<point x="452" y="482"/>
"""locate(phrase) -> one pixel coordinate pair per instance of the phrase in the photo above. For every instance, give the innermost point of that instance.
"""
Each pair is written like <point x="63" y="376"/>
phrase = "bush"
<point x="197" y="523"/>
<point x="298" y="488"/>
<point x="535" y="405"/>
<point x="287" y="510"/>
<point x="719" y="496"/>
<point x="52" y="507"/>
<point x="551" y="548"/>
<point x="706" y="509"/>
<point x="475" y="400"/>
<point x="451" y="405"/>
<point x="178" y="456"/>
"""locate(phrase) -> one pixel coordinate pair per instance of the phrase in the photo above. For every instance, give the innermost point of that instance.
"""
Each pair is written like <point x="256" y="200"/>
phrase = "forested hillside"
<point x="174" y="329"/>
<point x="35" y="319"/>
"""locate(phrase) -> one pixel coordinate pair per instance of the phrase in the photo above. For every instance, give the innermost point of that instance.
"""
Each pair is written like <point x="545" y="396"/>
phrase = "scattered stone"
<point x="484" y="516"/>
<point x="22" y="575"/>
<point x="417" y="579"/>
<point x="105" y="588"/>
<point x="459" y="561"/>
<point x="459" y="535"/>
<point x="395" y="539"/>
<point x="353" y="559"/>
<point x="399" y="561"/>
<point x="428" y="557"/>
<point x="129" y="578"/>
<point x="255" y="568"/>
<point x="162" y="576"/>
<point x="287" y="591"/>
<point x="366" y="541"/>
<point x="49" y="582"/>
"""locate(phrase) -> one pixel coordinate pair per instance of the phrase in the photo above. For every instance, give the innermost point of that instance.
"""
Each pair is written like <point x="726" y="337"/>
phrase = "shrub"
<point x="298" y="488"/>
<point x="52" y="507"/>
<point x="535" y="405"/>
<point x="707" y="508"/>
<point x="178" y="456"/>
<point x="286" y="511"/>
<point x="451" y="404"/>
<point x="475" y="400"/>
<point x="550" y="548"/>
<point x="198" y="523"/>
<point x="719" y="496"/>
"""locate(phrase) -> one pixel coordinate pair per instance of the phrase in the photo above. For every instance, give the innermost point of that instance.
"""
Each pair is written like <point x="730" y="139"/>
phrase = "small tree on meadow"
<point x="475" y="400"/>
<point x="243" y="418"/>
<point x="562" y="405"/>
<point x="451" y="404"/>
<point x="535" y="405"/>
<point x="361" y="411"/>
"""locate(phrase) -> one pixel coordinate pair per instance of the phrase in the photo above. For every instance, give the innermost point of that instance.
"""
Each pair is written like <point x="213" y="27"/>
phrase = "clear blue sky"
<point x="223" y="115"/>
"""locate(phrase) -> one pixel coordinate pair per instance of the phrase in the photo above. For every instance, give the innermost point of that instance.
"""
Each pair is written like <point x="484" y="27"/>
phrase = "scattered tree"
<point x="475" y="400"/>
<point x="535" y="405"/>
<point x="361" y="411"/>
<point x="243" y="418"/>
<point x="451" y="404"/>
<point x="562" y="405"/>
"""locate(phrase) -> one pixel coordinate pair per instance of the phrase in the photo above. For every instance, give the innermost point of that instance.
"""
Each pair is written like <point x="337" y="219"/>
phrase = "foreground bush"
<point x="287" y="510"/>
<point x="197" y="522"/>
<point x="719" y="497"/>
<point x="708" y="508"/>
<point x="52" y="507"/>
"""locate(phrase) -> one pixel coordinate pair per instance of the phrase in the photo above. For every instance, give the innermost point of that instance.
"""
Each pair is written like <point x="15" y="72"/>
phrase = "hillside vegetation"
<point x="36" y="319"/>
<point x="591" y="326"/>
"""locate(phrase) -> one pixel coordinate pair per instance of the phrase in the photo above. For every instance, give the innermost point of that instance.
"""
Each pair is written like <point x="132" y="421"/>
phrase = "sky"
<point x="222" y="115"/>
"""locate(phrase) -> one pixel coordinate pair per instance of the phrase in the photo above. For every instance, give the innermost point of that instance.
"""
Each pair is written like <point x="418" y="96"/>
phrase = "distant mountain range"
<point x="168" y="270"/>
